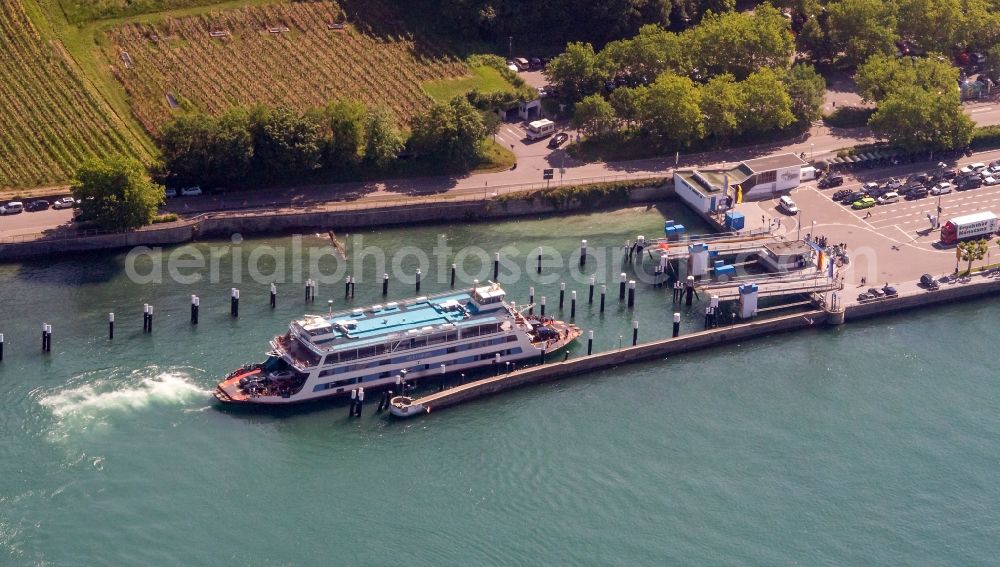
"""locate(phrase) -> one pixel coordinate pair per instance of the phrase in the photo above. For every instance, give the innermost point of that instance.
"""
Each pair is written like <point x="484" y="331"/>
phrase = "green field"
<point x="484" y="79"/>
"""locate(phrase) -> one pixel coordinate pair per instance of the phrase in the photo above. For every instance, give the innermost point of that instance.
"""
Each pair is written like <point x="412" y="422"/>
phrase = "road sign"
<point x="547" y="176"/>
<point x="548" y="171"/>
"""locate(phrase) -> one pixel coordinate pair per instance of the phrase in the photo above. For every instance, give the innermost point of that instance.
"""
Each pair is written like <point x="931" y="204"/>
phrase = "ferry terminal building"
<point x="711" y="190"/>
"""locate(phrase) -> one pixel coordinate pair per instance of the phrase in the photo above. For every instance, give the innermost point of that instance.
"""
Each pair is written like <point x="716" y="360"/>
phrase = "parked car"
<point x="893" y="183"/>
<point x="842" y="194"/>
<point x="918" y="193"/>
<point x="889" y="291"/>
<point x="170" y="192"/>
<point x="522" y="64"/>
<point x="869" y="187"/>
<point x="37" y="205"/>
<point x="971" y="182"/>
<point x="193" y="191"/>
<point x="890" y="197"/>
<point x="928" y="281"/>
<point x="973" y="168"/>
<point x="535" y="63"/>
<point x="832" y="180"/>
<point x="875" y="292"/>
<point x="558" y="140"/>
<point x="991" y="180"/>
<point x="786" y="204"/>
<point x="864" y="203"/>
<point x="862" y="297"/>
<point x="12" y="208"/>
<point x="64" y="203"/>
<point x="942" y="188"/>
<point x="949" y="173"/>
<point x="918" y="178"/>
<point x="853" y="196"/>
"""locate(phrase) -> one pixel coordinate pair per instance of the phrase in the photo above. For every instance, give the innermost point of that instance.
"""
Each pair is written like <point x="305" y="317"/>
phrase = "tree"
<point x="198" y="148"/>
<point x="972" y="250"/>
<point x="593" y="115"/>
<point x="575" y="72"/>
<point x="883" y="75"/>
<point x="345" y="146"/>
<point x="766" y="104"/>
<point x="285" y="142"/>
<point x="862" y="28"/>
<point x="814" y="39"/>
<point x="916" y="119"/>
<point x="451" y="133"/>
<point x="116" y="193"/>
<point x="934" y="25"/>
<point x="671" y="110"/>
<point x="383" y="142"/>
<point x="722" y="106"/>
<point x="740" y="43"/>
<point x="627" y="103"/>
<point x="641" y="59"/>
<point x="992" y="67"/>
<point x="806" y="88"/>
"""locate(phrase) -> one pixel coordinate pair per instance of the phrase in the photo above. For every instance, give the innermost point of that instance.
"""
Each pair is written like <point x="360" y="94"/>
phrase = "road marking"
<point x="975" y="110"/>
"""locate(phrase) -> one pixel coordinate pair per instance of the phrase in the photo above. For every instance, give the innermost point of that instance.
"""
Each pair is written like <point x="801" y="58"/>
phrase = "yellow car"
<point x="864" y="203"/>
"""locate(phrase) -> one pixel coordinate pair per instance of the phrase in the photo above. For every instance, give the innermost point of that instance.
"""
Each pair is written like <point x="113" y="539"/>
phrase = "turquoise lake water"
<point x="877" y="443"/>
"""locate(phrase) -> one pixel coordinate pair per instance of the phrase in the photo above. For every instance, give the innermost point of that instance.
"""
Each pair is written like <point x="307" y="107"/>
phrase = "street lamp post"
<point x="811" y="145"/>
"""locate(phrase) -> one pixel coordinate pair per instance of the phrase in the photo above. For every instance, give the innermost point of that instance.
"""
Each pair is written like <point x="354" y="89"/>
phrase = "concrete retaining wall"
<point x="647" y="351"/>
<point x="263" y="222"/>
<point x="947" y="294"/>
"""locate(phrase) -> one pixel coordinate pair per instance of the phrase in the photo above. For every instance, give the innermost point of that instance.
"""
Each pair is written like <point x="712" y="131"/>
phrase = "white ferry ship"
<point x="330" y="355"/>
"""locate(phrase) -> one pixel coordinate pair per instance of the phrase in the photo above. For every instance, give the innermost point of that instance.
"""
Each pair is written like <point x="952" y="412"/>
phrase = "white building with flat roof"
<point x="709" y="190"/>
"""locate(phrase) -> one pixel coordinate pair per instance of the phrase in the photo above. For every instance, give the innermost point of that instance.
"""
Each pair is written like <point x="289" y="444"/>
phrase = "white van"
<point x="788" y="205"/>
<point x="540" y="129"/>
<point x="12" y="208"/>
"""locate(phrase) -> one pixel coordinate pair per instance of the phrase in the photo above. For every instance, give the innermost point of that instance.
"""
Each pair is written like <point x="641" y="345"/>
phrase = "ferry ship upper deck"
<point x="399" y="320"/>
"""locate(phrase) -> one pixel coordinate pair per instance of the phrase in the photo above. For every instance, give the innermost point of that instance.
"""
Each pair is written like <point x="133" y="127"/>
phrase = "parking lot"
<point x="889" y="243"/>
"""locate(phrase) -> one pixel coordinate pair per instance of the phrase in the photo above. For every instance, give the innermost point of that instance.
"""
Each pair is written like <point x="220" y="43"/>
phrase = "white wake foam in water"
<point x="102" y="397"/>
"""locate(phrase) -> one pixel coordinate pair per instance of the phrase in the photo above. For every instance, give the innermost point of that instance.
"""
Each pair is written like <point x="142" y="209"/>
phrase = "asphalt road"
<point x="533" y="158"/>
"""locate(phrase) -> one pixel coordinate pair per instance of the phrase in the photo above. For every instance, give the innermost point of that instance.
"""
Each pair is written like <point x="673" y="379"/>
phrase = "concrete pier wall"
<point x="647" y="351"/>
<point x="978" y="287"/>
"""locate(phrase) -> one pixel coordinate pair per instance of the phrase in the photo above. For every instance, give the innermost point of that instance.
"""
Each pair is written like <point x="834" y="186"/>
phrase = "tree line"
<point x="851" y="31"/>
<point x="345" y="138"/>
<point x="729" y="76"/>
<point x="551" y="23"/>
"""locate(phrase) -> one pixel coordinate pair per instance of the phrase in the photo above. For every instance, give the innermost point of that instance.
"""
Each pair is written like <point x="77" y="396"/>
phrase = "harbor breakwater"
<point x="354" y="216"/>
<point x="706" y="339"/>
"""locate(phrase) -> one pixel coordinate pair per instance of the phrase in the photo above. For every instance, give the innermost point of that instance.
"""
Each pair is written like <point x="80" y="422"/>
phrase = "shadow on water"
<point x="82" y="269"/>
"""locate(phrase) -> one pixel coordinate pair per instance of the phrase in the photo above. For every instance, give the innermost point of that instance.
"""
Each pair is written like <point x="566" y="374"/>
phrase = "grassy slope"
<point x="484" y="79"/>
